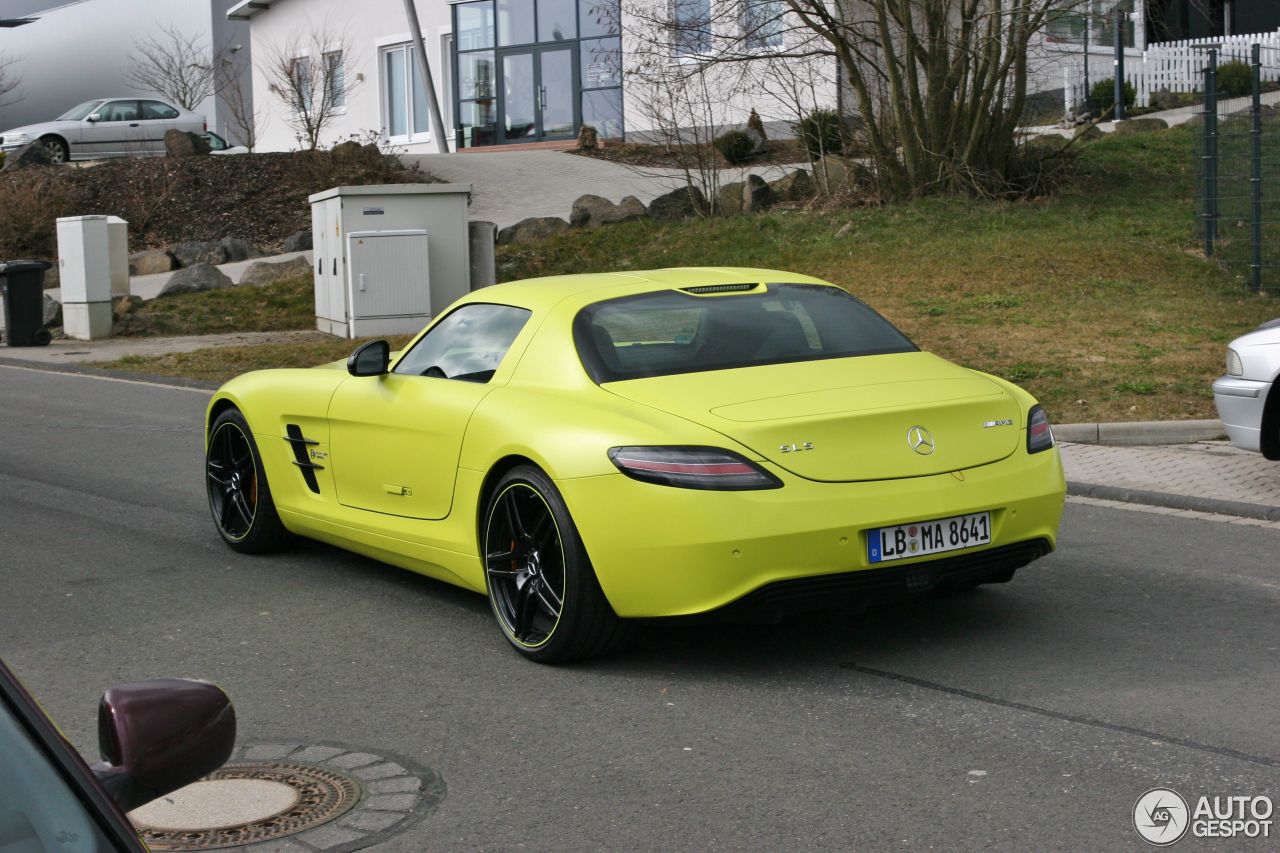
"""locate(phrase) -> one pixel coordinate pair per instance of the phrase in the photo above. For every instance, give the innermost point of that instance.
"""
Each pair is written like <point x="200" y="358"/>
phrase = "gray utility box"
<point x="388" y="257"/>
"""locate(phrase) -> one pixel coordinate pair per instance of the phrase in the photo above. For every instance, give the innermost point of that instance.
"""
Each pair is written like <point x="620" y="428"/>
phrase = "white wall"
<point x="367" y="27"/>
<point x="80" y="51"/>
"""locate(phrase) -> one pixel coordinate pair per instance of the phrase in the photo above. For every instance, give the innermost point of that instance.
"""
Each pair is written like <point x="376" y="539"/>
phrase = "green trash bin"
<point x="22" y="285"/>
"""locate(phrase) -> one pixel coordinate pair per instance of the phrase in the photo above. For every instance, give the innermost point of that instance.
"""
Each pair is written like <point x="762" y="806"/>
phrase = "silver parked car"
<point x="1247" y="397"/>
<point x="106" y="127"/>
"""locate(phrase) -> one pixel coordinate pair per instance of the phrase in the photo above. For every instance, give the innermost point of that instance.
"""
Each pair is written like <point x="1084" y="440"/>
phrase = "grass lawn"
<point x="274" y="307"/>
<point x="1097" y="301"/>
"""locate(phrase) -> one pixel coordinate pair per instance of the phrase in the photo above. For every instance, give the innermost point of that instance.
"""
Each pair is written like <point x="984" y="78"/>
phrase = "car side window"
<point x="157" y="110"/>
<point x="119" y="111"/>
<point x="468" y="344"/>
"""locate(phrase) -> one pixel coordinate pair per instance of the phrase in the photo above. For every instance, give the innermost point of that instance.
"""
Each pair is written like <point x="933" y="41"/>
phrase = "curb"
<point x="1140" y="433"/>
<point x="1172" y="501"/>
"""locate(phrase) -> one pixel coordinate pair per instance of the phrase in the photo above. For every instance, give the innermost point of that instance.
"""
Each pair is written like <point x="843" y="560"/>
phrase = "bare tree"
<point x="9" y="81"/>
<point x="309" y="73"/>
<point x="937" y="86"/>
<point x="235" y="93"/>
<point x="182" y="67"/>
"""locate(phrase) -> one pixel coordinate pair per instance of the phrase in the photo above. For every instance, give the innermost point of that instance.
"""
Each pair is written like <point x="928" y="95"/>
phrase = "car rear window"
<point x="658" y="334"/>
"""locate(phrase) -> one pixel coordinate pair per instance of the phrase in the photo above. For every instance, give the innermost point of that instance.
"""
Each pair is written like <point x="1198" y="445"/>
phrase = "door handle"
<point x="319" y="266"/>
<point x="542" y="98"/>
<point x="133" y="124"/>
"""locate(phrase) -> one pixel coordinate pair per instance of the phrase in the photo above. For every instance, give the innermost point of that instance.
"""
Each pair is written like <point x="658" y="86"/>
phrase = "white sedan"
<point x="1249" y="408"/>
<point x="105" y="127"/>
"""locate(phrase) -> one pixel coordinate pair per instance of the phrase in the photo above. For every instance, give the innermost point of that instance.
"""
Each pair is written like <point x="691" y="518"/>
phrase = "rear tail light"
<point x="1039" y="432"/>
<point x="206" y="126"/>
<point x="1235" y="367"/>
<point x="692" y="468"/>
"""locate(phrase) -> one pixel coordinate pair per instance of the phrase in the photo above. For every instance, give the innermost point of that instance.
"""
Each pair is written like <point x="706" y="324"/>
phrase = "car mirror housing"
<point x="93" y="118"/>
<point x="370" y="359"/>
<point x="157" y="736"/>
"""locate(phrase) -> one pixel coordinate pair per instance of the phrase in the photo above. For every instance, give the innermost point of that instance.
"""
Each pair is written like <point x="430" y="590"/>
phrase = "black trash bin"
<point x="22" y="283"/>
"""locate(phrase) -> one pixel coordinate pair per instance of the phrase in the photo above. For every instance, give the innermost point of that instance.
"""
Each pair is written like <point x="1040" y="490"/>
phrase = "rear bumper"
<point x="660" y="551"/>
<point x="1240" y="404"/>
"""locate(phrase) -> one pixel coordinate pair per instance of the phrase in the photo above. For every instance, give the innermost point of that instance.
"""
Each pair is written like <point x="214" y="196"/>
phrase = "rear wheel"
<point x="239" y="496"/>
<point x="541" y="585"/>
<point x="56" y="148"/>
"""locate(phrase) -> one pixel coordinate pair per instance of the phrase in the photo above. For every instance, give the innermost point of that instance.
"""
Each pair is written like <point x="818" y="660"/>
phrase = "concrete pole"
<point x="437" y="120"/>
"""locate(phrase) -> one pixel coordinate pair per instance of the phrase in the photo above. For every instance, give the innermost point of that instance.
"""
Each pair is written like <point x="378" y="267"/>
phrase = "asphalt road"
<point x="1028" y="716"/>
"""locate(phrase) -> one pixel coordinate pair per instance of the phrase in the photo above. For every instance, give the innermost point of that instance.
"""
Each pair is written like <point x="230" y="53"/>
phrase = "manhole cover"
<point x="244" y="804"/>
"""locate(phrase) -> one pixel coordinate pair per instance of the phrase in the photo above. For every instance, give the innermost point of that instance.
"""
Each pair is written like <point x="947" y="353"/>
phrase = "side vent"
<point x="719" y="288"/>
<point x="301" y="458"/>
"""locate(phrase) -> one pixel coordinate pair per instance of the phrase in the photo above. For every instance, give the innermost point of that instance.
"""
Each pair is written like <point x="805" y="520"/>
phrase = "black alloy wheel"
<point x="239" y="496"/>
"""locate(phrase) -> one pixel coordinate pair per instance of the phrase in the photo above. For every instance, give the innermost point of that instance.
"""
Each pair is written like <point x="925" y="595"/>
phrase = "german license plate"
<point x="928" y="537"/>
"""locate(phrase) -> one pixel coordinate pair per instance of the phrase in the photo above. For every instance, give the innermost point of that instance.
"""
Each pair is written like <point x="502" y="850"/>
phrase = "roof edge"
<point x="246" y="9"/>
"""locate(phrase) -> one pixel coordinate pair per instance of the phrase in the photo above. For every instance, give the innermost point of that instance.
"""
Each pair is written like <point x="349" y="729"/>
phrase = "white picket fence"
<point x="1175" y="66"/>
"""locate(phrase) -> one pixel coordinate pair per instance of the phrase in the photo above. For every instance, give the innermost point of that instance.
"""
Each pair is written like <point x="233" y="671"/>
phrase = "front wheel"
<point x="541" y="585"/>
<point x="56" y="148"/>
<point x="239" y="496"/>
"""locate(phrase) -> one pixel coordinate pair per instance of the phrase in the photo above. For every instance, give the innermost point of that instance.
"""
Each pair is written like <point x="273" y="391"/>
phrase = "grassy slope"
<point x="1099" y="301"/>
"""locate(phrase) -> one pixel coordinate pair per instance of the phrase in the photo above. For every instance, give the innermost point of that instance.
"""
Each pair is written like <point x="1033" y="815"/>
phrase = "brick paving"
<point x="1213" y="470"/>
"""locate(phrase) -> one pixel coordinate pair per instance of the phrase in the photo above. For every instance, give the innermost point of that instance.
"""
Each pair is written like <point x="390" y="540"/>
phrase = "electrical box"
<point x="387" y="257"/>
<point x="84" y="271"/>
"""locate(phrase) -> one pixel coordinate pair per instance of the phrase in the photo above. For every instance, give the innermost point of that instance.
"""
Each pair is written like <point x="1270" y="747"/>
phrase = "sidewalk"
<point x="1173" y="118"/>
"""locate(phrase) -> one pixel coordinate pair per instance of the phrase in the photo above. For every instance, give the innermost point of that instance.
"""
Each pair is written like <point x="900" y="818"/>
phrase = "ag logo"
<point x="1161" y="816"/>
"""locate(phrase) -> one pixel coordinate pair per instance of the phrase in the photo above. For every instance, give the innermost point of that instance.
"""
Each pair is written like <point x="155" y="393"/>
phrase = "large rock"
<point x="836" y="173"/>
<point x="236" y="249"/>
<point x="750" y="196"/>
<point x="298" y="241"/>
<point x="678" y="204"/>
<point x="729" y="199"/>
<point x="195" y="279"/>
<point x="265" y="272"/>
<point x="150" y="262"/>
<point x="31" y="154"/>
<point x="192" y="253"/>
<point x="1088" y="133"/>
<point x="52" y="311"/>
<point x="592" y="211"/>
<point x="535" y="228"/>
<point x="180" y="143"/>
<point x="796" y="186"/>
<point x="1140" y="125"/>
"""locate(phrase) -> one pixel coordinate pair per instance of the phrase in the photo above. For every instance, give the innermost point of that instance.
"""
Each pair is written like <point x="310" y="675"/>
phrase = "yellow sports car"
<point x="590" y="450"/>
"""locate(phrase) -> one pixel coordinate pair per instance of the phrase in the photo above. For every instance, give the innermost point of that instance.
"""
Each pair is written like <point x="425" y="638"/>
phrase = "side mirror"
<point x="370" y="359"/>
<point x="95" y="118"/>
<point x="157" y="736"/>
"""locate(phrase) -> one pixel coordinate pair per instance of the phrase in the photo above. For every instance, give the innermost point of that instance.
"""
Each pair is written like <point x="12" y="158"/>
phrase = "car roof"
<point x="542" y="293"/>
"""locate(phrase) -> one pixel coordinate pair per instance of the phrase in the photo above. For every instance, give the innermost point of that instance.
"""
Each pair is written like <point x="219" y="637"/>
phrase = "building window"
<point x="762" y="24"/>
<point x="300" y="80"/>
<point x="1094" y="20"/>
<point x="691" y="27"/>
<point x="335" y="79"/>
<point x="405" y="114"/>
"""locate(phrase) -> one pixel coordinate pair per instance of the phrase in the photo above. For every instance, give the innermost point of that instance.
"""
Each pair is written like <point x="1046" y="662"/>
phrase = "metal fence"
<point x="1237" y="170"/>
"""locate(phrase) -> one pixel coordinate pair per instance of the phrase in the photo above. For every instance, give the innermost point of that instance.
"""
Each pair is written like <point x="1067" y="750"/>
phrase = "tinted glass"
<point x="656" y="334"/>
<point x="119" y="111"/>
<point x="468" y="344"/>
<point x="557" y="20"/>
<point x="78" y="112"/>
<point x="155" y="110"/>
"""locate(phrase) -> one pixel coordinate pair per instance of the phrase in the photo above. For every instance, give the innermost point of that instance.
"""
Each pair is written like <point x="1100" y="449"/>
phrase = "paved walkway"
<point x="1173" y="118"/>
<point x="507" y="186"/>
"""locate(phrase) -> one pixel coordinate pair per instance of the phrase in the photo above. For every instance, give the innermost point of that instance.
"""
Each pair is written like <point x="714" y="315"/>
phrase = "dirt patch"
<point x="261" y="198"/>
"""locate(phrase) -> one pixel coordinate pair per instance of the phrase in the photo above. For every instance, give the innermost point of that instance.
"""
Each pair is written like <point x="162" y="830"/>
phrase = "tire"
<point x="541" y="586"/>
<point x="239" y="496"/>
<point x="42" y="337"/>
<point x="57" y="148"/>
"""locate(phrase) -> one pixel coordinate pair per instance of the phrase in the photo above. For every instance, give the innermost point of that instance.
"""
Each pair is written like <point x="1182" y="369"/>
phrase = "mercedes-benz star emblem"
<point x="920" y="440"/>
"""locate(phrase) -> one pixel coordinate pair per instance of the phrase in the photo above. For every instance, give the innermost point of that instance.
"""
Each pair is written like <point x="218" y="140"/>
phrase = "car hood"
<point x="34" y="130"/>
<point x="848" y="419"/>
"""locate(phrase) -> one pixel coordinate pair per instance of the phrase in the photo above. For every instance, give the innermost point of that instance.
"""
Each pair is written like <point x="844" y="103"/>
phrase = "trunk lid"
<point x="847" y="419"/>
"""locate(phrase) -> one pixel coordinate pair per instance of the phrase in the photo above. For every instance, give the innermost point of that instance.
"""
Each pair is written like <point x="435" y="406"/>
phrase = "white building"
<point x="77" y="51"/>
<point x="505" y="71"/>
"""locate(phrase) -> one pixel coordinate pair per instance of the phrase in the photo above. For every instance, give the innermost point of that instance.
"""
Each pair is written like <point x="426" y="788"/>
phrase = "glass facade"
<point x="530" y="70"/>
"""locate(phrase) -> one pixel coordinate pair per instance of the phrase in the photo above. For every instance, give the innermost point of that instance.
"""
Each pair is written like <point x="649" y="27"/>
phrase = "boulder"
<point x="836" y="173"/>
<point x="796" y="186"/>
<point x="31" y="154"/>
<point x="757" y="195"/>
<point x="180" y="143"/>
<point x="192" y="253"/>
<point x="150" y="262"/>
<point x="52" y="276"/>
<point x="729" y="198"/>
<point x="265" y="272"/>
<point x="236" y="249"/>
<point x="52" y="311"/>
<point x="346" y="151"/>
<point x="1088" y="133"/>
<point x="592" y="211"/>
<point x="195" y="279"/>
<point x="122" y="306"/>
<point x="1140" y="125"/>
<point x="678" y="204"/>
<point x="298" y="241"/>
<point x="534" y="228"/>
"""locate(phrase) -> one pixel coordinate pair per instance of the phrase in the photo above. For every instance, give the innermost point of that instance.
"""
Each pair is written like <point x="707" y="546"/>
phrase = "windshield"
<point x="79" y="111"/>
<point x="657" y="334"/>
